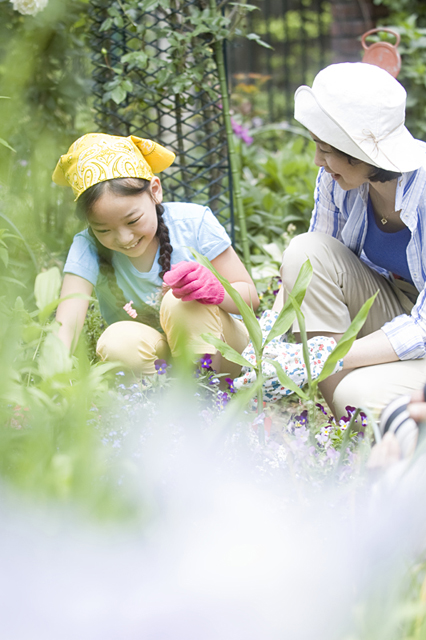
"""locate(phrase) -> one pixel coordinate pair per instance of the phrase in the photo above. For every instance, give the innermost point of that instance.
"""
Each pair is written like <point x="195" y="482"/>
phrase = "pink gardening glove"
<point x="192" y="281"/>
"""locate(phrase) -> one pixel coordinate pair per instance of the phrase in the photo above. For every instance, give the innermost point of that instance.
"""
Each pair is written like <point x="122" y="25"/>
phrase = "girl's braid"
<point x="164" y="240"/>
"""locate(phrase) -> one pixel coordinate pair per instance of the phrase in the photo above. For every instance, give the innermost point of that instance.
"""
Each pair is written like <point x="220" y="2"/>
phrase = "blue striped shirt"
<point x="343" y="215"/>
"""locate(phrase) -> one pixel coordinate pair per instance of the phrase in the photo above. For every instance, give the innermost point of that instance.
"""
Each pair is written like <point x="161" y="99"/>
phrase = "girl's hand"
<point x="192" y="281"/>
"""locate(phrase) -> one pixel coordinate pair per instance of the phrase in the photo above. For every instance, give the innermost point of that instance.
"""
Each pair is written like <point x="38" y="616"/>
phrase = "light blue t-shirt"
<point x="190" y="226"/>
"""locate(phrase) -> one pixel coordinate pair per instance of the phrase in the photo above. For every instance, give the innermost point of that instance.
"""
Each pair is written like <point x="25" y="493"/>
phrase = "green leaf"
<point x="6" y="144"/>
<point x="302" y="329"/>
<point x="346" y="340"/>
<point x="286" y="381"/>
<point x="256" y="38"/>
<point x="13" y="281"/>
<point x="47" y="311"/>
<point x="54" y="357"/>
<point x="31" y="332"/>
<point x="4" y="256"/>
<point x="246" y="312"/>
<point x="135" y="59"/>
<point x="241" y="400"/>
<point x="47" y="286"/>
<point x="228" y="352"/>
<point x="287" y="313"/>
<point x="106" y="25"/>
<point x="118" y="94"/>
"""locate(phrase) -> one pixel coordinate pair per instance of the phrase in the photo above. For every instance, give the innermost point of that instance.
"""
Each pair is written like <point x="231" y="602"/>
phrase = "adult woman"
<point x="366" y="233"/>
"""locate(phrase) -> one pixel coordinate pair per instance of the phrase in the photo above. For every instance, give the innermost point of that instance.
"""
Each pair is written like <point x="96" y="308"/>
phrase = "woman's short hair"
<point x="376" y="174"/>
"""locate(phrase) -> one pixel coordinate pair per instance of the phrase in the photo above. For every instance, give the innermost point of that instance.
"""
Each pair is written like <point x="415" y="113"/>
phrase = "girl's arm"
<point x="230" y="267"/>
<point x="71" y="313"/>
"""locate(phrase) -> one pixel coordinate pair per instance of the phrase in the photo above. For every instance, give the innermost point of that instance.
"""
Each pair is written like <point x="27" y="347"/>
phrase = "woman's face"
<point x="348" y="176"/>
<point x="127" y="224"/>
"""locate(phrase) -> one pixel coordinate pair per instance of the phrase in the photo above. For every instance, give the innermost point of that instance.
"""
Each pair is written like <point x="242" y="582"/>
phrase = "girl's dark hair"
<point x="376" y="174"/>
<point x="123" y="187"/>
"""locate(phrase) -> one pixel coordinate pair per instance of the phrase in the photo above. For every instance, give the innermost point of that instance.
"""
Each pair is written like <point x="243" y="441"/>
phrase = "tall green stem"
<point x="261" y="425"/>
<point x="233" y="159"/>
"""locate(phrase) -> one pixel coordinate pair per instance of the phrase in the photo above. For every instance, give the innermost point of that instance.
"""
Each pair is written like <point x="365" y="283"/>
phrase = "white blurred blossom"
<point x="29" y="7"/>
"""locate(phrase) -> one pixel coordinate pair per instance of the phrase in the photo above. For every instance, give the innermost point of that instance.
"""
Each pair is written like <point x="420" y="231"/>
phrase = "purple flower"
<point x="246" y="137"/>
<point x="241" y="132"/>
<point x="302" y="419"/>
<point x="230" y="385"/>
<point x="222" y="399"/>
<point x="160" y="366"/>
<point x="321" y="408"/>
<point x="206" y="361"/>
<point x="350" y="411"/>
<point x="332" y="454"/>
<point x="323" y="435"/>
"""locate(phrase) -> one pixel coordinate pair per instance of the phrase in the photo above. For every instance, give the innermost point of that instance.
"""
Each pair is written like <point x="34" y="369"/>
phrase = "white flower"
<point x="154" y="299"/>
<point x="29" y="7"/>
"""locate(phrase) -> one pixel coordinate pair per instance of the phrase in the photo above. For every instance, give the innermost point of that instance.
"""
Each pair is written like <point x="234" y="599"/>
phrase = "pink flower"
<point x="241" y="132"/>
<point x="129" y="309"/>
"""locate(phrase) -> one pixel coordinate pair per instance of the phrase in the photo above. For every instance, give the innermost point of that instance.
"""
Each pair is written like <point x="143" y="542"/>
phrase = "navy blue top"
<point x="387" y="250"/>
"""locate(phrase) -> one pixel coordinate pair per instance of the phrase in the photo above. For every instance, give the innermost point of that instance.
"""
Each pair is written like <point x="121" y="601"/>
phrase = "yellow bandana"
<point x="96" y="157"/>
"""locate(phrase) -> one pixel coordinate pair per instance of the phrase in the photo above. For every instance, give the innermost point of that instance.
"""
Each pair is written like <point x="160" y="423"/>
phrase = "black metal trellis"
<point x="190" y="122"/>
<point x="299" y="32"/>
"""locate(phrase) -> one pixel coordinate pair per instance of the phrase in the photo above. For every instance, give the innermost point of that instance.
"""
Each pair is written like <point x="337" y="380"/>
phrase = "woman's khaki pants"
<point x="138" y="346"/>
<point x="340" y="285"/>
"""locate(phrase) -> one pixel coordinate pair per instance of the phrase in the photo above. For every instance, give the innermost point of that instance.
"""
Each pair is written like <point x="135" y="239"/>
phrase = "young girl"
<point x="367" y="235"/>
<point x="136" y="251"/>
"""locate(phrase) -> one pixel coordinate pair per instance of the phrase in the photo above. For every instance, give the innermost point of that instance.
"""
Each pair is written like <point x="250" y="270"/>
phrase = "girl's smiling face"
<point x="127" y="224"/>
<point x="348" y="176"/>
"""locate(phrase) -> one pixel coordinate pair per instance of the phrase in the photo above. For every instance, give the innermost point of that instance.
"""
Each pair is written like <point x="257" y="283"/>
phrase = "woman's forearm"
<point x="372" y="349"/>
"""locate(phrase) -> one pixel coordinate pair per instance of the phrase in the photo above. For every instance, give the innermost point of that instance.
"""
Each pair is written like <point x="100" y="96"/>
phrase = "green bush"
<point x="278" y="193"/>
<point x="408" y="18"/>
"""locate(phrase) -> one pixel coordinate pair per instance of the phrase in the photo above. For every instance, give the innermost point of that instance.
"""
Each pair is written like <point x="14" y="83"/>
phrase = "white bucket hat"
<point x="359" y="108"/>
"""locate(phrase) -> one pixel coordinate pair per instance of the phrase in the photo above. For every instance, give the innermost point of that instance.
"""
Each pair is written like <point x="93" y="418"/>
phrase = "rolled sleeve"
<point x="406" y="337"/>
<point x="407" y="333"/>
<point x="212" y="239"/>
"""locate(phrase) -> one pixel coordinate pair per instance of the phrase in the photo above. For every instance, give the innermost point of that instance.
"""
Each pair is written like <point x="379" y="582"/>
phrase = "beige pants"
<point x="137" y="346"/>
<point x="341" y="283"/>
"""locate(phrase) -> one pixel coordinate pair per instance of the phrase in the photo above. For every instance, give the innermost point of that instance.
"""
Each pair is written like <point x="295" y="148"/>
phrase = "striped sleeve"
<point x="326" y="216"/>
<point x="407" y="333"/>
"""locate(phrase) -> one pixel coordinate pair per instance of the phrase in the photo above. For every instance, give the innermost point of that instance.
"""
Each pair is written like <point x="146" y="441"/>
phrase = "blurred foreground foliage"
<point x="45" y="78"/>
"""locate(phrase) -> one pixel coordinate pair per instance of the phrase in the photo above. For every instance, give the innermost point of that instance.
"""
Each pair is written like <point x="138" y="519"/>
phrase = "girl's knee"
<point x="134" y="345"/>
